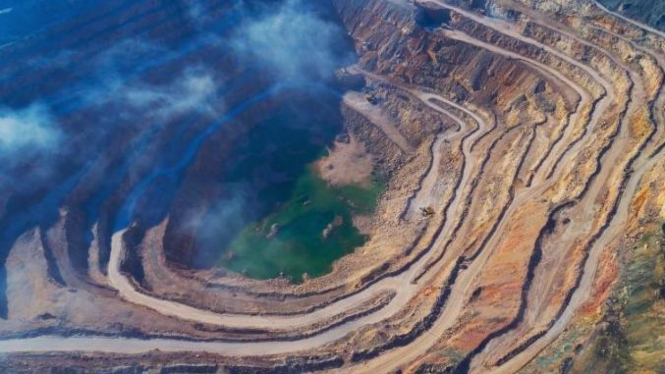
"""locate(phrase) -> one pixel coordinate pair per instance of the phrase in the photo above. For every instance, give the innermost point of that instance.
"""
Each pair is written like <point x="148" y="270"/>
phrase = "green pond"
<point x="297" y="244"/>
<point x="271" y="218"/>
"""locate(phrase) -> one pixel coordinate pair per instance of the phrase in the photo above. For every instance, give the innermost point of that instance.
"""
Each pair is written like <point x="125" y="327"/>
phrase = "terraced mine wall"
<point x="652" y="12"/>
<point x="545" y="176"/>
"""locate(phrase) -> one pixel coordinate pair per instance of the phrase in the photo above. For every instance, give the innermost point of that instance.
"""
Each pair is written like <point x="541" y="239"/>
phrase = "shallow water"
<point x="88" y="64"/>
<point x="297" y="245"/>
<point x="269" y="181"/>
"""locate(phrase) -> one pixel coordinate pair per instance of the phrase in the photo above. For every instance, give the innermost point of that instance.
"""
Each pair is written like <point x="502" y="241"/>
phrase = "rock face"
<point x="651" y="12"/>
<point x="521" y="228"/>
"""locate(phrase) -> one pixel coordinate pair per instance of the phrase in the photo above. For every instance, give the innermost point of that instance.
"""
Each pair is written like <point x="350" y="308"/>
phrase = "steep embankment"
<point x="522" y="143"/>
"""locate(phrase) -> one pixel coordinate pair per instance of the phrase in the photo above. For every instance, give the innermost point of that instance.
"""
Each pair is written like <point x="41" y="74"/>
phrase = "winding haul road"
<point x="442" y="256"/>
<point x="401" y="283"/>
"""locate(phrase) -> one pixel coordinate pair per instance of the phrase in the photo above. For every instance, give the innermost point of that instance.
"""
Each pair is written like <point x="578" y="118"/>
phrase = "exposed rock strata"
<point x="541" y="125"/>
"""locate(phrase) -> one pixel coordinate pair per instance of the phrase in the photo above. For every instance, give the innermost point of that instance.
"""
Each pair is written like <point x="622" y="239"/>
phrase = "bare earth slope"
<point x="523" y="145"/>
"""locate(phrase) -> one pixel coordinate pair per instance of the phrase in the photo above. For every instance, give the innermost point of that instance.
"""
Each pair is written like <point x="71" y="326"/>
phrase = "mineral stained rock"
<point x="515" y="149"/>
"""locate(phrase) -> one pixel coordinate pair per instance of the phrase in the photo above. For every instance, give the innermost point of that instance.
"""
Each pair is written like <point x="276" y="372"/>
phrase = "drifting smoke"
<point x="220" y="223"/>
<point x="289" y="41"/>
<point x="193" y="91"/>
<point x="28" y="139"/>
<point x="198" y="12"/>
<point x="125" y="53"/>
<point x="27" y="132"/>
<point x="294" y="42"/>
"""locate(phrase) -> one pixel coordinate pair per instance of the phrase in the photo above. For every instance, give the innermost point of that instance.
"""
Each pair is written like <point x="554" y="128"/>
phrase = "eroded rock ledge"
<point x="522" y="146"/>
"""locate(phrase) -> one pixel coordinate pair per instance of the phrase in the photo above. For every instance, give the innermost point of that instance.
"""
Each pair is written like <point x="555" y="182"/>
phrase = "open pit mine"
<point x="339" y="186"/>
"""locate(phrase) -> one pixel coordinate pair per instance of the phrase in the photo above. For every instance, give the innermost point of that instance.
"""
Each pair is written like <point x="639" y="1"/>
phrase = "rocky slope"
<point x="522" y="143"/>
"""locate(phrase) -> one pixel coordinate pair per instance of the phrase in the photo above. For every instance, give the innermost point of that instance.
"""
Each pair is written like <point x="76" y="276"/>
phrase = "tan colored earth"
<point x="522" y="228"/>
<point x="346" y="163"/>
